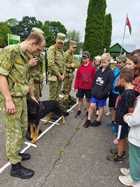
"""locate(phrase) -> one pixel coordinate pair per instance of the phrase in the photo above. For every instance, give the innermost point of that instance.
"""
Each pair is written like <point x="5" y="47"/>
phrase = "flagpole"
<point x="123" y="36"/>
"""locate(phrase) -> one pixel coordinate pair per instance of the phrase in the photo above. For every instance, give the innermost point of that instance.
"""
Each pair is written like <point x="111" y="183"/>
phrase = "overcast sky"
<point x="73" y="14"/>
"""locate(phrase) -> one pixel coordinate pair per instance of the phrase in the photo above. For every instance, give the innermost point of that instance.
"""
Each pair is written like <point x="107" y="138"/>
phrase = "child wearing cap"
<point x="101" y="89"/>
<point x="84" y="80"/>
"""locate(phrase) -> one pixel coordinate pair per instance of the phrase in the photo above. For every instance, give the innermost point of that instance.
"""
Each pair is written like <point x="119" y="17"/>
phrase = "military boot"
<point x="25" y="156"/>
<point x="17" y="170"/>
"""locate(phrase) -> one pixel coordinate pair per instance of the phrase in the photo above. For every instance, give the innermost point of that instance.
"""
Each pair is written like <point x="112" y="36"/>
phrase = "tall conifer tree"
<point x="107" y="31"/>
<point x="94" y="31"/>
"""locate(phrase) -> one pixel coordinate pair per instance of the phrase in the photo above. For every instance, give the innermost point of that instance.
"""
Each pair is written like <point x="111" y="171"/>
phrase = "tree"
<point x="24" y="27"/>
<point x="4" y="30"/>
<point x="95" y="27"/>
<point x="51" y="28"/>
<point x="12" y="22"/>
<point x="107" y="31"/>
<point x="73" y="35"/>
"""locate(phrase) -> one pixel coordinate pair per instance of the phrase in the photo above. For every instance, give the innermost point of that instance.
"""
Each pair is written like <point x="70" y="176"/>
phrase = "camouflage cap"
<point x="73" y="43"/>
<point x="37" y="30"/>
<point x="60" y="37"/>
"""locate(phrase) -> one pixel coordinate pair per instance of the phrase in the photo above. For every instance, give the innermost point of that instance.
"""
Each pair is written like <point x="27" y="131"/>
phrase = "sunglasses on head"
<point x="84" y="57"/>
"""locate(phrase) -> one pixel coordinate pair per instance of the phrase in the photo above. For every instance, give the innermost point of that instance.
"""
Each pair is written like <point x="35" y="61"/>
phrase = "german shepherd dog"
<point x="37" y="111"/>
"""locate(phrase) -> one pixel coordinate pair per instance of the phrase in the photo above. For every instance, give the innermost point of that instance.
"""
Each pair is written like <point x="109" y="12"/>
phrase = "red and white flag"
<point x="128" y="23"/>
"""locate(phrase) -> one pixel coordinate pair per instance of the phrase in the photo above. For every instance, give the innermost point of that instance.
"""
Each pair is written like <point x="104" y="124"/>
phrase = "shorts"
<point x="112" y="100"/>
<point x="82" y="92"/>
<point x="124" y="130"/>
<point x="99" y="102"/>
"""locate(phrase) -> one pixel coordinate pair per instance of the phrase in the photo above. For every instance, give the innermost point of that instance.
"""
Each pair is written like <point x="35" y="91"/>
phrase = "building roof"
<point x="117" y="48"/>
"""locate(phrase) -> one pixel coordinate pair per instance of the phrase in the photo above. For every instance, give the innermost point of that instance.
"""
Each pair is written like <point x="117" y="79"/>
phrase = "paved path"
<point x="69" y="156"/>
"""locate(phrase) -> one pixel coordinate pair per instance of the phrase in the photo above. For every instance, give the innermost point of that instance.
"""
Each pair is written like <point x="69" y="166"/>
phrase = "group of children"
<point x="121" y="84"/>
<point x="94" y="81"/>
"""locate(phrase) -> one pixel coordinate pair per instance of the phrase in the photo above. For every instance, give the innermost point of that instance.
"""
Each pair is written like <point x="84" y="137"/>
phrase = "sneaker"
<point x="78" y="113"/>
<point x="87" y="124"/>
<point x="126" y="180"/>
<point x="116" y="157"/>
<point x="125" y="171"/>
<point x="96" y="123"/>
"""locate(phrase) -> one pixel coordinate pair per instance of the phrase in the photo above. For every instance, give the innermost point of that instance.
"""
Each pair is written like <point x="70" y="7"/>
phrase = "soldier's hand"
<point x="33" y="97"/>
<point x="62" y="77"/>
<point x="10" y="106"/>
<point x="69" y="65"/>
<point x="33" y="62"/>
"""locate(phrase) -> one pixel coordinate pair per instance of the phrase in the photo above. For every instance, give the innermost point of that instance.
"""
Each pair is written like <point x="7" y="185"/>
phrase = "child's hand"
<point x="125" y="117"/>
<point x="116" y="141"/>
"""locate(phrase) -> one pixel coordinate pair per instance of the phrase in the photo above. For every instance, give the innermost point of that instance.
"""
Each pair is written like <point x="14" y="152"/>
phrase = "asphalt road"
<point x="68" y="156"/>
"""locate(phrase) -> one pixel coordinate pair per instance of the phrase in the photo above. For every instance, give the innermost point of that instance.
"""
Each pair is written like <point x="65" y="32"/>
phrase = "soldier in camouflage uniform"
<point x="71" y="64"/>
<point x="14" y="78"/>
<point x="37" y="72"/>
<point x="37" y="77"/>
<point x="56" y="67"/>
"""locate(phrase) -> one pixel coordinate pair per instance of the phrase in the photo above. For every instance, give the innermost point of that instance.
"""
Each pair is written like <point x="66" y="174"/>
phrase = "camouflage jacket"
<point x="69" y="60"/>
<point x="37" y="72"/>
<point x="13" y="65"/>
<point x="56" y="63"/>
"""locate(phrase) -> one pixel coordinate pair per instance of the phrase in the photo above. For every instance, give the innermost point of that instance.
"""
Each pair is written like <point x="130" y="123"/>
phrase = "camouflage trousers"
<point x="54" y="90"/>
<point x="37" y="90"/>
<point x="67" y="85"/>
<point x="16" y="126"/>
